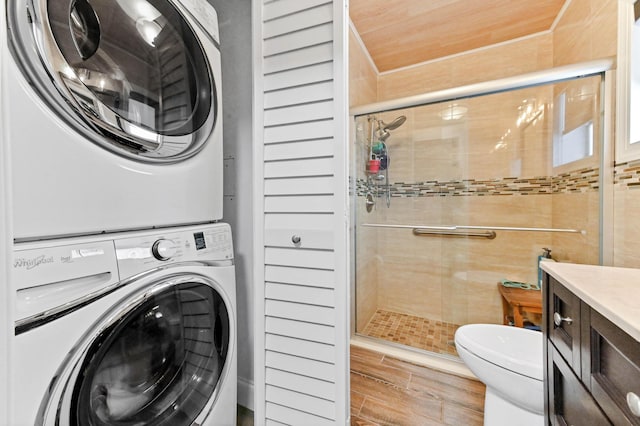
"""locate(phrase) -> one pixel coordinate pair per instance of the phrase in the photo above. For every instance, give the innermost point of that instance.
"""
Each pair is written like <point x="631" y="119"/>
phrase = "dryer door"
<point x="160" y="362"/>
<point x="135" y="75"/>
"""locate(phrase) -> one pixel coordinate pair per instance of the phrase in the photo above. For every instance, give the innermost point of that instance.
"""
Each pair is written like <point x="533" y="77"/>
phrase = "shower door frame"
<point x="602" y="67"/>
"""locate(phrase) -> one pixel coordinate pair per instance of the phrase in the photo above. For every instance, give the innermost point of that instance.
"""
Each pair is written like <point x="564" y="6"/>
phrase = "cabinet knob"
<point x="633" y="402"/>
<point x="558" y="319"/>
<point x="295" y="239"/>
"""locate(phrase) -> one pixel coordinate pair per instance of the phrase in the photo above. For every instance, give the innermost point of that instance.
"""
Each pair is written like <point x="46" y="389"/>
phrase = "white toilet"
<point x="508" y="360"/>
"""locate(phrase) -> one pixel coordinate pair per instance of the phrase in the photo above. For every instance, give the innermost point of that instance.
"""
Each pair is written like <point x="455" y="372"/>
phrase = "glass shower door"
<point x="470" y="194"/>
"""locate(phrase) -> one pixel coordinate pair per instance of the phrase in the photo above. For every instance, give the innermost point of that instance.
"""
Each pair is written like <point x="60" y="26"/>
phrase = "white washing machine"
<point x="113" y="115"/>
<point x="138" y="328"/>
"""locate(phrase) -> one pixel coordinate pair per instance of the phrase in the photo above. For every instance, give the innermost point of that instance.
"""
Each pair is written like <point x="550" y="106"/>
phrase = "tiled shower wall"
<point x="626" y="218"/>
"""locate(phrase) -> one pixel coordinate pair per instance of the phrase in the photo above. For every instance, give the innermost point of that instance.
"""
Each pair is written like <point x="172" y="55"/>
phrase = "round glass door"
<point x="159" y="364"/>
<point x="132" y="70"/>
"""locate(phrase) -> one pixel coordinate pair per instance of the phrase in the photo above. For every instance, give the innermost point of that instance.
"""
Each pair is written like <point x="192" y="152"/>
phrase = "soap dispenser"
<point x="545" y="255"/>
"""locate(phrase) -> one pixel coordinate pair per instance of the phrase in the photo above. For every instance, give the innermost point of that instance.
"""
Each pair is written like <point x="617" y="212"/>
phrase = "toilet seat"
<point x="516" y="349"/>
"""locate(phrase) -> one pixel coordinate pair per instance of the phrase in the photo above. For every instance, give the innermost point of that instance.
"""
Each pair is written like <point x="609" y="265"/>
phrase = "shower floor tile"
<point x="417" y="332"/>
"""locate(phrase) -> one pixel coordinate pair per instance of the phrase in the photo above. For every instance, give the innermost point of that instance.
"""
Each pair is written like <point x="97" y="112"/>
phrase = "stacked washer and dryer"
<point x="125" y="285"/>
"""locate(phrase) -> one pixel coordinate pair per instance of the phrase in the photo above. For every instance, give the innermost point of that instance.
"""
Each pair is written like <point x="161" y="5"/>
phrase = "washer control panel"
<point x="55" y="272"/>
<point x="145" y="251"/>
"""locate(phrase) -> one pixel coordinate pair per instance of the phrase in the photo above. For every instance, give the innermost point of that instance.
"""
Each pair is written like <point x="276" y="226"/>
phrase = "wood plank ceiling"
<point x="399" y="33"/>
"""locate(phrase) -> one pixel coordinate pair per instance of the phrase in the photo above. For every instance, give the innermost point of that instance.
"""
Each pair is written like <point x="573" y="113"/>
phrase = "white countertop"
<point x="613" y="292"/>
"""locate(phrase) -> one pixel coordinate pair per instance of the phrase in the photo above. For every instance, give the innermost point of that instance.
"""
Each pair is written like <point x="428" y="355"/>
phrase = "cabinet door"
<point x="565" y="334"/>
<point x="569" y="402"/>
<point x="613" y="361"/>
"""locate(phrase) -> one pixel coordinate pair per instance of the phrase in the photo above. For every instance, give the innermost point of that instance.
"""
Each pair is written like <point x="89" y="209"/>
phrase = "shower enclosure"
<point x="456" y="192"/>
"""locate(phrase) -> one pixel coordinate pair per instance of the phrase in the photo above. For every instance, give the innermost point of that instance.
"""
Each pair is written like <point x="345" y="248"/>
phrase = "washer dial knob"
<point x="164" y="249"/>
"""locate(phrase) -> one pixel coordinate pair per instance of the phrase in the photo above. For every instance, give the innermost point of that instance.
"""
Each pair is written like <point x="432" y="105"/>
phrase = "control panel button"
<point x="164" y="249"/>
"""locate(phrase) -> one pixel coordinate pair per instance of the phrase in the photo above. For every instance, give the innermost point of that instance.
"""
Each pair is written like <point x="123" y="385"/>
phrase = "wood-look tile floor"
<point x="422" y="333"/>
<point x="388" y="391"/>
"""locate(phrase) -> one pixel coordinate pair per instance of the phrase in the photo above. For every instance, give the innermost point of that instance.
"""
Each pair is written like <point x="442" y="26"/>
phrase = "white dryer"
<point x="138" y="328"/>
<point x="114" y="115"/>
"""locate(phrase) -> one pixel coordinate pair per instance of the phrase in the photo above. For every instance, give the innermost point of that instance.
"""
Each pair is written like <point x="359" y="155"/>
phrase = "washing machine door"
<point x="135" y="76"/>
<point x="159" y="362"/>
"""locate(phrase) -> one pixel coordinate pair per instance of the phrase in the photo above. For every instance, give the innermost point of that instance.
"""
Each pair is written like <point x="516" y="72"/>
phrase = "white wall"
<point x="235" y="39"/>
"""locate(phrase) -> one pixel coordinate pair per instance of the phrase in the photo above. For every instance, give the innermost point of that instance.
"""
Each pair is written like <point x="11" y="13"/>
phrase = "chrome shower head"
<point x="394" y="124"/>
<point x="383" y="131"/>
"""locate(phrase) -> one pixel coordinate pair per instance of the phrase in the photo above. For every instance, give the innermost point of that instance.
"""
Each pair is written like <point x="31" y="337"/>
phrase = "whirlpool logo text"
<point x="33" y="262"/>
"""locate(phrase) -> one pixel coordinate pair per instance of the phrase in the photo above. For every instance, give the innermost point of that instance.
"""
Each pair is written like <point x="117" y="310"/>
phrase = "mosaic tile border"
<point x="582" y="180"/>
<point x="627" y="175"/>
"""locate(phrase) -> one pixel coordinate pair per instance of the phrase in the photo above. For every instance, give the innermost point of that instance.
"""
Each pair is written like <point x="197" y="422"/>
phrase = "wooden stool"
<point x="520" y="301"/>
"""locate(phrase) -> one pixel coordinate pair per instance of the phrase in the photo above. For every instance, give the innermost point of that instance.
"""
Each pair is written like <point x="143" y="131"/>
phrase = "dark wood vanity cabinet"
<point x="611" y="368"/>
<point x="569" y="402"/>
<point x="592" y="367"/>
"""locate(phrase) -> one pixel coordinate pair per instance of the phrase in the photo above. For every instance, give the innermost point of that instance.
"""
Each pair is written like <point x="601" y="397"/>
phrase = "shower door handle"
<point x="453" y="232"/>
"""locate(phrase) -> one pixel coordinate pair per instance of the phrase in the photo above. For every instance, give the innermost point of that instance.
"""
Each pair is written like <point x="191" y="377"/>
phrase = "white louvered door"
<point x="301" y="285"/>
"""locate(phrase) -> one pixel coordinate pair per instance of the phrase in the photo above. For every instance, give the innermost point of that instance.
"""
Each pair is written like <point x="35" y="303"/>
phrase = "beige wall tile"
<point x="366" y="273"/>
<point x="474" y="268"/>
<point x="605" y="42"/>
<point x="579" y="11"/>
<point x="572" y="45"/>
<point x="512" y="254"/>
<point x="366" y="290"/>
<point x="531" y="54"/>
<point x="627" y="228"/>
<point x="587" y="30"/>
<point x="481" y="302"/>
<point x="362" y="77"/>
<point x="411" y="285"/>
<point x="576" y="211"/>
<point x="411" y="81"/>
<point x="506" y="210"/>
